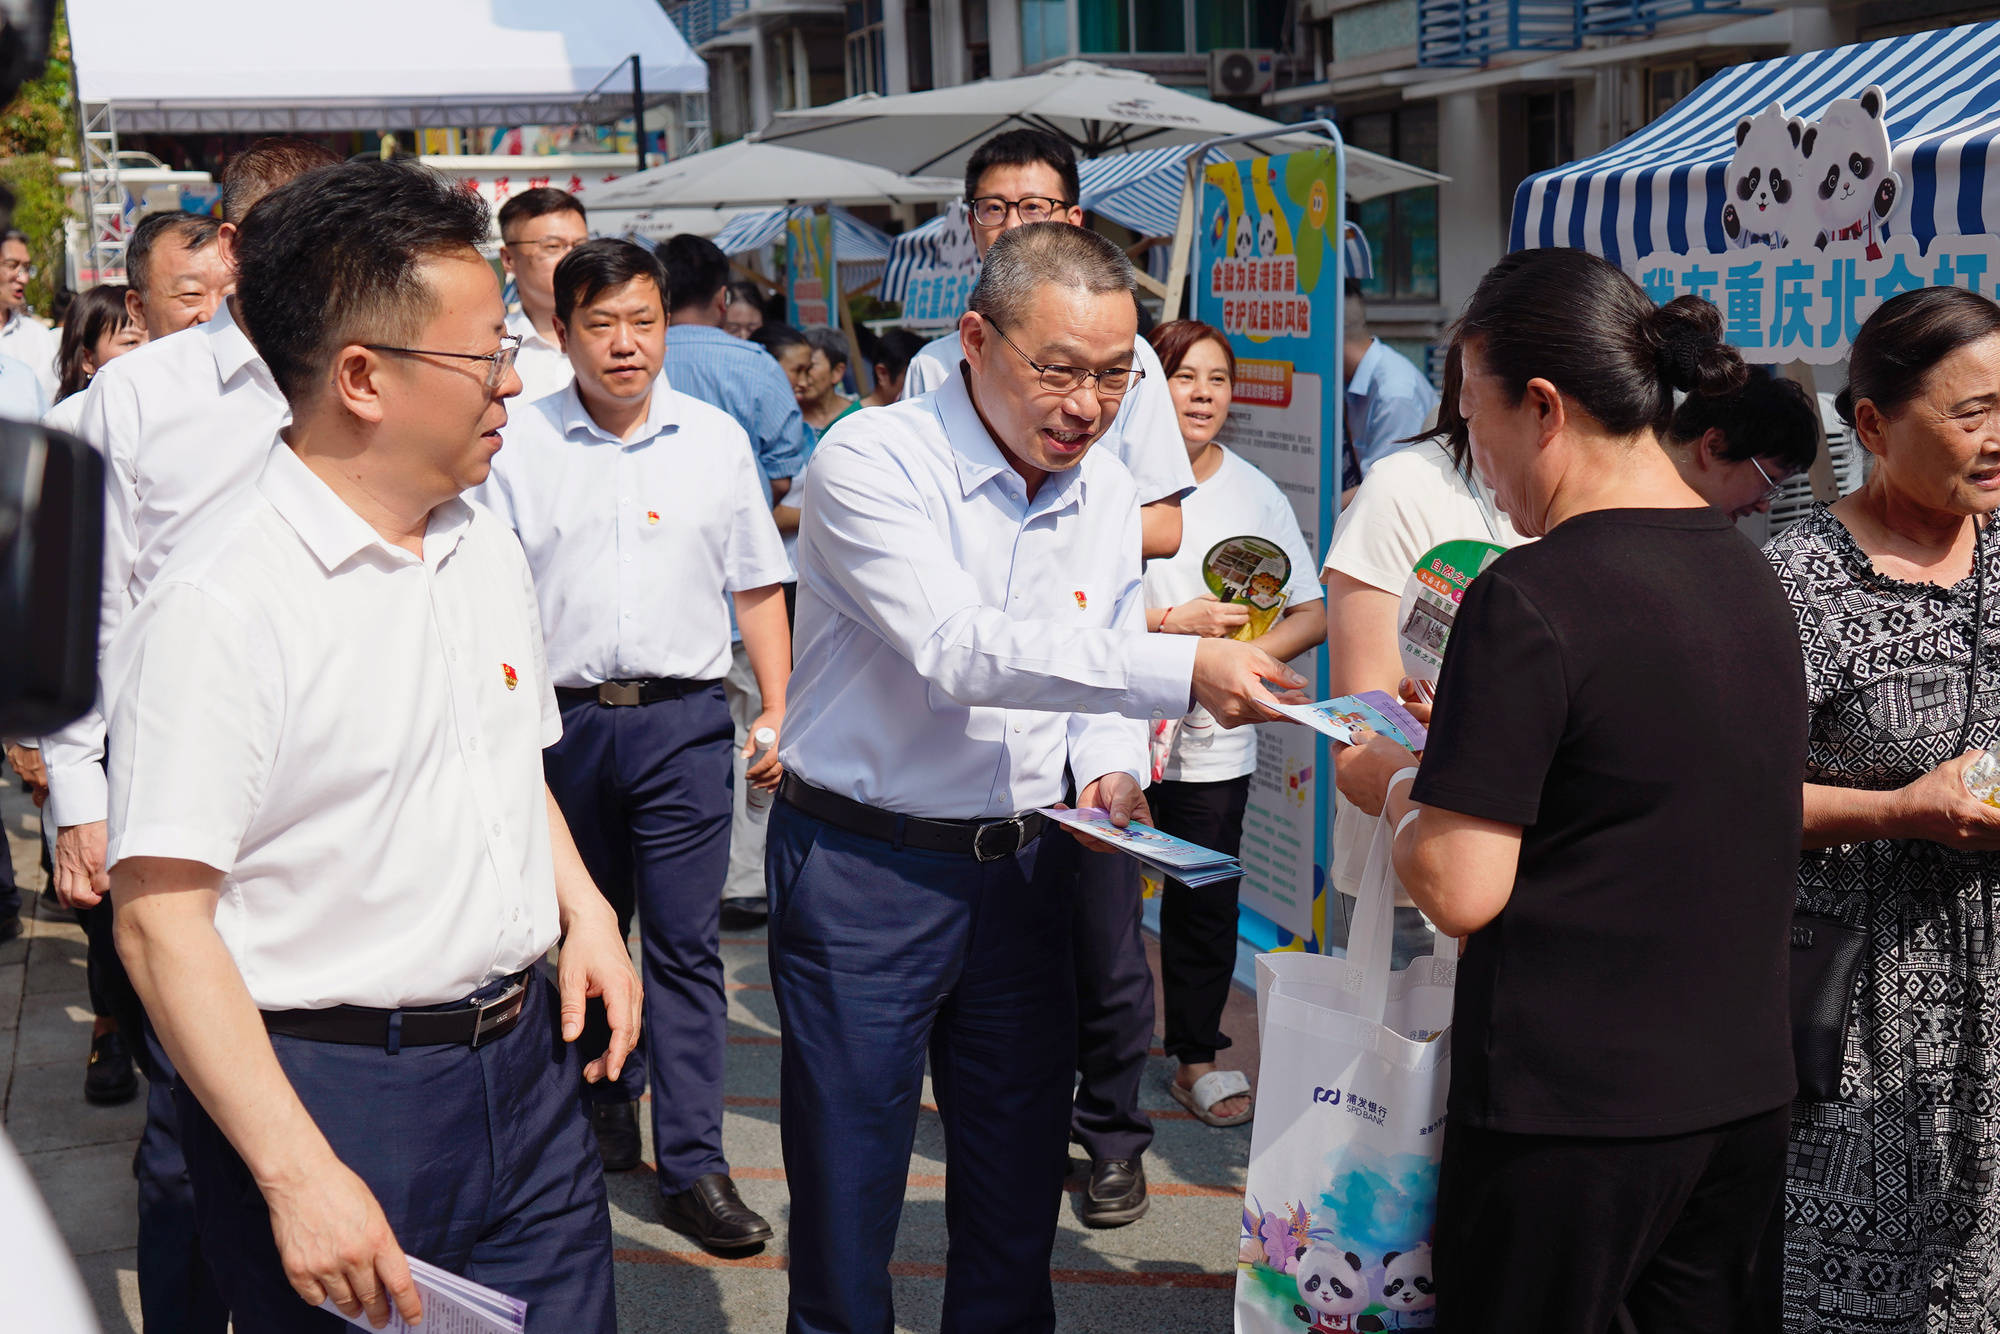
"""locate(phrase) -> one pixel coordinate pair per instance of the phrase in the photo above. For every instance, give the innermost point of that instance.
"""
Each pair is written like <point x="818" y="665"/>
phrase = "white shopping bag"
<point x="1342" y="1187"/>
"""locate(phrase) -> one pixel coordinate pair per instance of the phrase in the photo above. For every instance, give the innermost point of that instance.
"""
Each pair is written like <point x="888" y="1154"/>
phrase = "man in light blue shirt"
<point x="971" y="648"/>
<point x="645" y="521"/>
<point x="1388" y="398"/>
<point x="22" y="398"/>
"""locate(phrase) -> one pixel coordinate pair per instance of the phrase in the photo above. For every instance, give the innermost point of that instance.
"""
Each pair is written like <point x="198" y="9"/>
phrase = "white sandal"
<point x="1214" y="1087"/>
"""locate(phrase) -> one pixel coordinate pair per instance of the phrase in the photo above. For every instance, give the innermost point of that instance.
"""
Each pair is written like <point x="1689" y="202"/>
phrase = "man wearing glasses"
<point x="971" y="634"/>
<point x="646" y="521"/>
<point x="22" y="336"/>
<point x="537" y="228"/>
<point x="336" y="862"/>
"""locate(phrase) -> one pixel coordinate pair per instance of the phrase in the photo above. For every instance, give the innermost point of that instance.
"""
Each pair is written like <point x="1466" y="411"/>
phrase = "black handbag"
<point x="1826" y="955"/>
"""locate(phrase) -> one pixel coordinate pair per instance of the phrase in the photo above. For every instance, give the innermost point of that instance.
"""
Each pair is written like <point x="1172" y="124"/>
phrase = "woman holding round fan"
<point x="1243" y="570"/>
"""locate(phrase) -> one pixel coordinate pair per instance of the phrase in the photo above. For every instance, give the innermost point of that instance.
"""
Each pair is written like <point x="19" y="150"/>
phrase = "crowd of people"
<point x="446" y="646"/>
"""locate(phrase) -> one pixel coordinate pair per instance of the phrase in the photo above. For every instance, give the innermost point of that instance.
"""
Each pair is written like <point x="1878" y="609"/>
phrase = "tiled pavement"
<point x="1172" y="1271"/>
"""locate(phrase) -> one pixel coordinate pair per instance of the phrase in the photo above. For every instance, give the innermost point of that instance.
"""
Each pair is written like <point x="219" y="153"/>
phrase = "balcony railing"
<point x="699" y="20"/>
<point x="1472" y="32"/>
<point x="1606" y="17"/>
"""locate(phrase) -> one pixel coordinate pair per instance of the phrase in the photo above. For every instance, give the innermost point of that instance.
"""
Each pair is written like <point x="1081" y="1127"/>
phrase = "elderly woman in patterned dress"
<point x="1892" y="1208"/>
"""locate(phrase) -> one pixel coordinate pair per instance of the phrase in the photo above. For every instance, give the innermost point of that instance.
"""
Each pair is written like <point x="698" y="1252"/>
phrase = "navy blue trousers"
<point x="177" y="1288"/>
<point x="1114" y="1007"/>
<point x="646" y="793"/>
<point x="880" y="956"/>
<point x="482" y="1160"/>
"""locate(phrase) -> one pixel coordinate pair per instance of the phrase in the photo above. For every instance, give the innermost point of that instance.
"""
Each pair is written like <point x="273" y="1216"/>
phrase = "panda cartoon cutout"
<point x="1848" y="185"/>
<point x="1763" y="180"/>
<point x="1333" y="1291"/>
<point x="1246" y="236"/>
<point x="1408" y="1290"/>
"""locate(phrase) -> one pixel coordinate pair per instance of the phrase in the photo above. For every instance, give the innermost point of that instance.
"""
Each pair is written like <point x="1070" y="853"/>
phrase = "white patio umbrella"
<point x="1098" y="109"/>
<point x="748" y="174"/>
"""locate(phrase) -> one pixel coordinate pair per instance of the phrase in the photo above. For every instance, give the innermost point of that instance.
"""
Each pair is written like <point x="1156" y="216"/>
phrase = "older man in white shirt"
<point x="22" y="336"/>
<point x="646" y="520"/>
<point x="970" y="619"/>
<point x="335" y="860"/>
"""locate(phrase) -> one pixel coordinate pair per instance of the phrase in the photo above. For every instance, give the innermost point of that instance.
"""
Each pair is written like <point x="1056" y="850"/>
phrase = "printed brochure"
<point x="1189" y="863"/>
<point x="1346" y="718"/>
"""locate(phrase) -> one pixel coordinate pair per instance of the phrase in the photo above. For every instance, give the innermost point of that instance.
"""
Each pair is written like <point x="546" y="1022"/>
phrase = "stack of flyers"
<point x="1189" y="863"/>
<point x="1345" y="718"/>
<point x="452" y="1305"/>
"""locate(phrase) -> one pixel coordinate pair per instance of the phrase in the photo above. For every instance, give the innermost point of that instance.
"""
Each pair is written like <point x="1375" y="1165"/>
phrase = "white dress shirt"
<point x="540" y="363"/>
<point x="950" y="628"/>
<point x="28" y="340"/>
<point x="184" y="424"/>
<point x="353" y="735"/>
<point x="68" y="416"/>
<point x="1145" y="436"/>
<point x="22" y="397"/>
<point x="636" y="545"/>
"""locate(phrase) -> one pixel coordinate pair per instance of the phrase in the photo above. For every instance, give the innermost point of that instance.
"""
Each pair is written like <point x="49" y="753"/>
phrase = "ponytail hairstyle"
<point x="1568" y="317"/>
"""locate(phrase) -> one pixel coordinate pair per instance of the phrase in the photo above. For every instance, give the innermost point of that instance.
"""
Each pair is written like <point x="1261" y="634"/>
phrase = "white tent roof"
<point x="1098" y="108"/>
<point x="369" y="64"/>
<point x="746" y="174"/>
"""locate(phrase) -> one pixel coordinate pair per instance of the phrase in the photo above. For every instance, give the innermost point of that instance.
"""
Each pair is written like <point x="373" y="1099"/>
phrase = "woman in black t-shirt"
<point x="1609" y="808"/>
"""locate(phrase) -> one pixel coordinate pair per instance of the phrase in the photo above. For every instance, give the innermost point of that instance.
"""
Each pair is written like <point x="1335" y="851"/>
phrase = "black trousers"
<point x="1564" y="1234"/>
<point x="1198" y="926"/>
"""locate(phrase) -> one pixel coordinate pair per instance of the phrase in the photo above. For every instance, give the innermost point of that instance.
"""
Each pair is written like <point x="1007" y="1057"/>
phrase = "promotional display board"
<point x="943" y="267"/>
<point x="1268" y="274"/>
<point x="809" y="265"/>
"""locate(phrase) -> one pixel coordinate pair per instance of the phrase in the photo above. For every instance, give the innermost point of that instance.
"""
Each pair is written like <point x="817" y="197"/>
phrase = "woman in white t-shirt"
<point x="1201" y="772"/>
<point x="1413" y="501"/>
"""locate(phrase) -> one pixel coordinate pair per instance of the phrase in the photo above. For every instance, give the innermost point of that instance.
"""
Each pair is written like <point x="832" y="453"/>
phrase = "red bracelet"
<point x="1163" y="618"/>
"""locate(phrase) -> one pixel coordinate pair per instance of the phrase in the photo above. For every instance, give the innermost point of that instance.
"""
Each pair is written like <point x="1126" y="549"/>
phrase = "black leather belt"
<point x="632" y="693"/>
<point x="360" y="1026"/>
<point x="983" y="840"/>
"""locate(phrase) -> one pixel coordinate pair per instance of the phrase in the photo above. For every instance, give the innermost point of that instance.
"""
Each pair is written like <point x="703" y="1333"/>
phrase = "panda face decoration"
<point x="1846" y="158"/>
<point x="1246" y="236"/>
<point x="1330" y="1283"/>
<point x="1406" y="1280"/>
<point x="1762" y="178"/>
<point x="1267" y="235"/>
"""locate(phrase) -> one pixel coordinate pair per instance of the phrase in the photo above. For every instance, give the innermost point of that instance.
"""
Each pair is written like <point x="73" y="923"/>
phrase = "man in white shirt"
<point x="335" y="861"/>
<point x="537" y="228"/>
<point x="1016" y="178"/>
<point x="645" y="520"/>
<point x="175" y="273"/>
<point x="22" y="336"/>
<point x="970" y="619"/>
<point x="184" y="424"/>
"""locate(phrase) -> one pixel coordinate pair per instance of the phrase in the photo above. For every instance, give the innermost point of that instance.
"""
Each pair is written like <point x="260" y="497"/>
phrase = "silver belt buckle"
<point x="619" y="694"/>
<point x="980" y="852"/>
<point x="500" y="1010"/>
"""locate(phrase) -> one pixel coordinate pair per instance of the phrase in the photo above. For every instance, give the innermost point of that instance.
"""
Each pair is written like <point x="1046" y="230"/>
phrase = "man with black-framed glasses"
<point x="538" y="228"/>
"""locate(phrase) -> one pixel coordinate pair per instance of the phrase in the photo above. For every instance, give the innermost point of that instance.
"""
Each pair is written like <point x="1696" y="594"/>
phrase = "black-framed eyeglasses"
<point x="497" y="363"/>
<point x="1114" y="383"/>
<point x="992" y="210"/>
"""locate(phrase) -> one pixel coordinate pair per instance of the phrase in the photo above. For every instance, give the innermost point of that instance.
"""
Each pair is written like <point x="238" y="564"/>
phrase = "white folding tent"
<point x="222" y="65"/>
<point x="748" y="174"/>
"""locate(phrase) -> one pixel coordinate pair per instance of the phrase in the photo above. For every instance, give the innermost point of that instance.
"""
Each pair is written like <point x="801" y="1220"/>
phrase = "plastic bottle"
<point x="1982" y="777"/>
<point x="759" y="798"/>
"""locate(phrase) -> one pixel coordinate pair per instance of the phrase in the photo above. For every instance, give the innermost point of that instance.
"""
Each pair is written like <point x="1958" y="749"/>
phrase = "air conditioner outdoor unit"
<point x="1241" y="73"/>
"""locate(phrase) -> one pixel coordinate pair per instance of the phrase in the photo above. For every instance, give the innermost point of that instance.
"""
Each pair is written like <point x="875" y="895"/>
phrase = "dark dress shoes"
<point x="617" y="1127"/>
<point x="744" y="914"/>
<point x="711" y="1213"/>
<point x="109" y="1079"/>
<point x="1115" y="1194"/>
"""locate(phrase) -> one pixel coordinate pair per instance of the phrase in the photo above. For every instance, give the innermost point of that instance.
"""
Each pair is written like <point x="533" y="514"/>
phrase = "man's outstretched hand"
<point x="1232" y="679"/>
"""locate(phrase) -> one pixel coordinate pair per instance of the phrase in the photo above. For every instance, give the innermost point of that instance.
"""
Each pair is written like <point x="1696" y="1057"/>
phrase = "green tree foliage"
<point x="35" y="128"/>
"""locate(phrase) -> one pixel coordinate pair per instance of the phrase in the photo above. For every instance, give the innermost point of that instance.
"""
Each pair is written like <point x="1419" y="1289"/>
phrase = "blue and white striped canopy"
<point x="909" y="252"/>
<point x="854" y="241"/>
<point x="1661" y="189"/>
<point x="1140" y="190"/>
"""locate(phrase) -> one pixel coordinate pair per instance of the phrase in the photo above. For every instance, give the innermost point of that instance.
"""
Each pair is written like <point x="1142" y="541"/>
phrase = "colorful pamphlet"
<point x="452" y="1305"/>
<point x="1253" y="572"/>
<point x="1189" y="863"/>
<point x="1350" y="717"/>
<point x="1439" y="581"/>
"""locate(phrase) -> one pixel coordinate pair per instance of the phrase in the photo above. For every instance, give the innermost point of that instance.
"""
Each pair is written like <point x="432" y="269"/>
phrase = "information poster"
<point x="809" y="270"/>
<point x="945" y="269"/>
<point x="1268" y="274"/>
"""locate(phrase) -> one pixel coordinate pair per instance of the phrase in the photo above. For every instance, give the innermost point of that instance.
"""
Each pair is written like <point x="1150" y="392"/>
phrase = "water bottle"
<point x="754" y="797"/>
<point x="1982" y="777"/>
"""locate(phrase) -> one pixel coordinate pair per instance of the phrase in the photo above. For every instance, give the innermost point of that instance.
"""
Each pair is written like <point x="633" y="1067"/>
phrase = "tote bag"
<point x="1342" y="1186"/>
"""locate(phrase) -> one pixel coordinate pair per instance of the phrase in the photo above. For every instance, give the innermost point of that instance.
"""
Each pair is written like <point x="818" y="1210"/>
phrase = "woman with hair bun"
<point x="1892" y="1208"/>
<point x="1607" y="814"/>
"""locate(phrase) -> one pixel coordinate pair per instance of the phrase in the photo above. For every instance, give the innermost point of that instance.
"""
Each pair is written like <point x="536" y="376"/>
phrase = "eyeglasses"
<point x="15" y="268"/>
<point x="497" y="363"/>
<point x="1113" y="383"/>
<point x="992" y="210"/>
<point x="555" y="247"/>
<point x="1770" y="496"/>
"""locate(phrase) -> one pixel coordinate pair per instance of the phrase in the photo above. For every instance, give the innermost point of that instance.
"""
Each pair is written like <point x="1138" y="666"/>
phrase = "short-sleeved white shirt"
<point x="636" y="544"/>
<point x="1411" y="501"/>
<point x="1238" y="501"/>
<point x="353" y="736"/>
<point x="28" y="340"/>
<point x="1145" y="436"/>
<point x="543" y="367"/>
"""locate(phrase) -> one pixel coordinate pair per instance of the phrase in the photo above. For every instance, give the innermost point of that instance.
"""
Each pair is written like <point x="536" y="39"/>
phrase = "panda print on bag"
<point x="1332" y="1291"/>
<point x="1850" y="188"/>
<point x="1408" y="1290"/>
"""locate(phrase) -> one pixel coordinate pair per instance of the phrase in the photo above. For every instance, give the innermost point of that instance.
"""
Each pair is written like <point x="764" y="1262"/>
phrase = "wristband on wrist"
<point x="1163" y="618"/>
